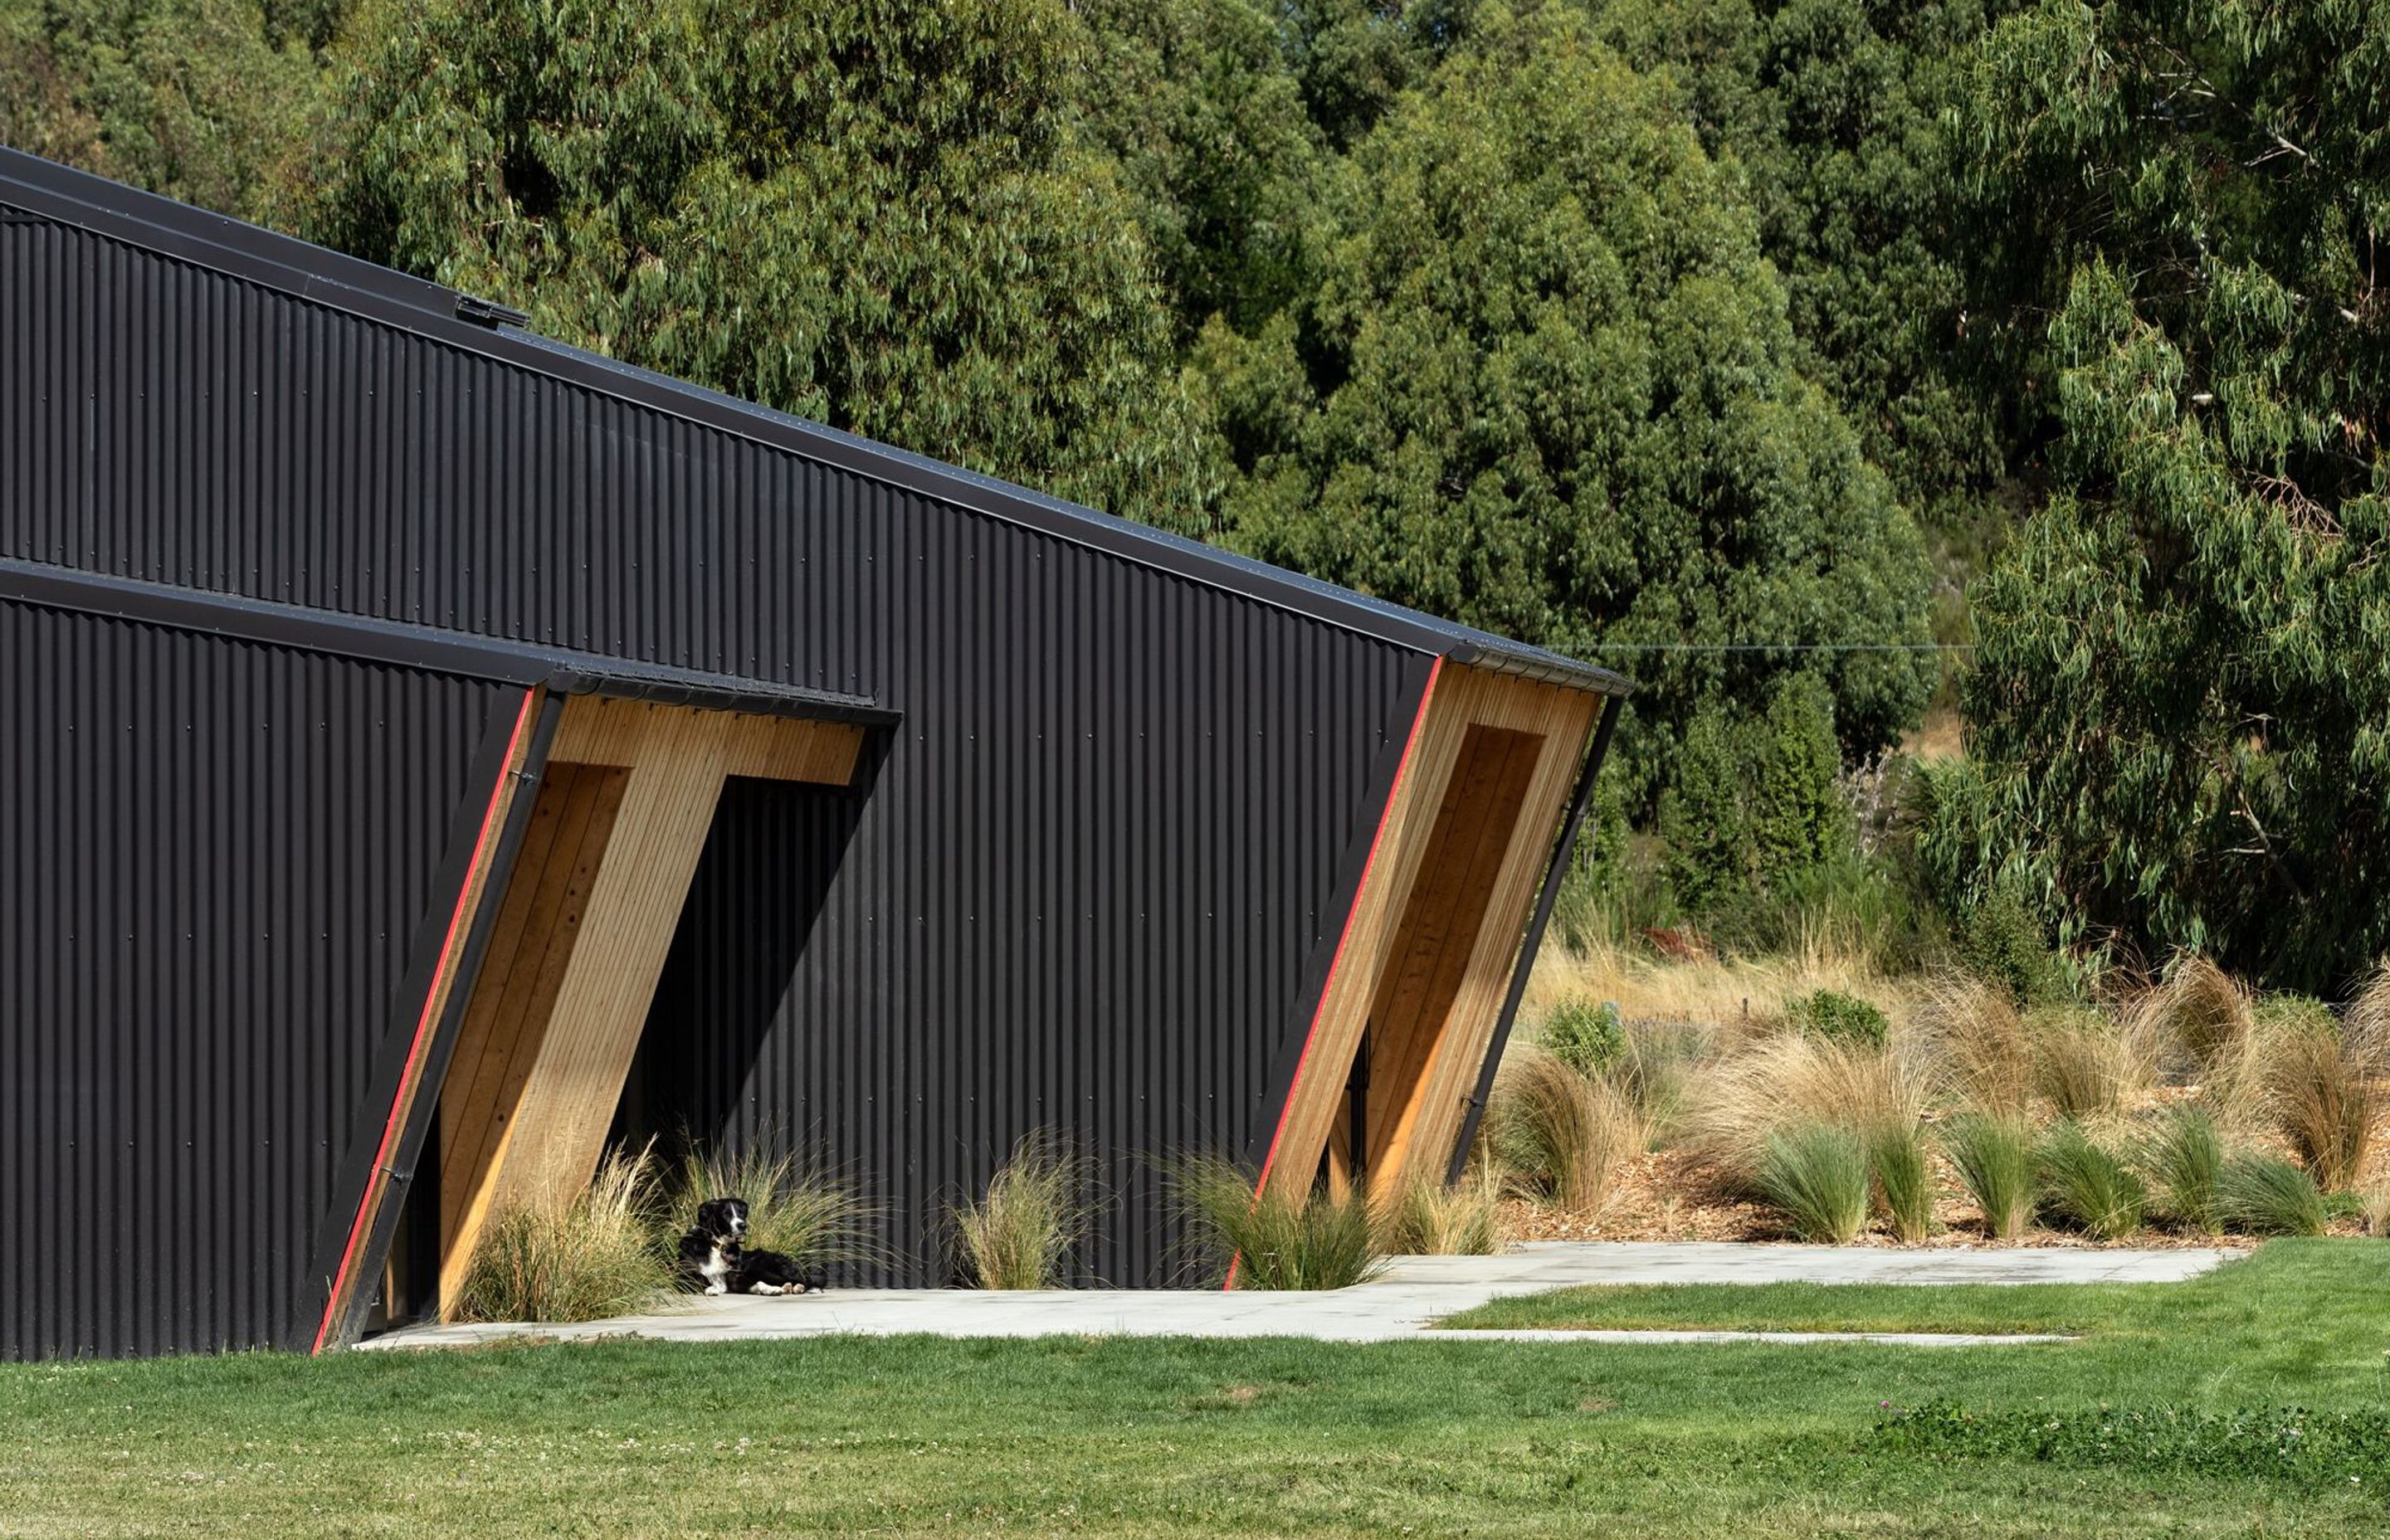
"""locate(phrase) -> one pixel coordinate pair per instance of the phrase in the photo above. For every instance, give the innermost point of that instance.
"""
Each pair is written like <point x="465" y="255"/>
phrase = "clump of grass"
<point x="581" y="1259"/>
<point x="1791" y="1079"/>
<point x="2185" y="1158"/>
<point x="790" y="1208"/>
<point x="2202" y="1016"/>
<point x="1904" y="1179"/>
<point x="1565" y="1133"/>
<point x="1993" y="1152"/>
<point x="2264" y="1194"/>
<point x="1277" y="1239"/>
<point x="2086" y="1066"/>
<point x="1815" y="1175"/>
<point x="2085" y="1183"/>
<point x="2324" y="1102"/>
<point x="1975" y="1031"/>
<point x="1017" y="1236"/>
<point x="1428" y="1218"/>
<point x="2374" y="1202"/>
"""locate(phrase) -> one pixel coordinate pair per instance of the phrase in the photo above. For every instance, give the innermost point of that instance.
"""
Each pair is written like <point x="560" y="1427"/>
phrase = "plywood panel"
<point x="590" y="911"/>
<point x="1460" y="698"/>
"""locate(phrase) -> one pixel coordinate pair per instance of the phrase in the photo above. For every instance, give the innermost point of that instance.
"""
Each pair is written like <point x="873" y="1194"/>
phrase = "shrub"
<point x="1587" y="1038"/>
<point x="1565" y="1133"/>
<point x="790" y="1207"/>
<point x="1993" y="1152"/>
<point x="1815" y="1175"/>
<point x="2000" y="942"/>
<point x="2324" y="1103"/>
<point x="1277" y="1240"/>
<point x="1904" y="1180"/>
<point x="2085" y="1183"/>
<point x="2263" y="1195"/>
<point x="584" y="1259"/>
<point x="1464" y="1219"/>
<point x="1017" y="1236"/>
<point x="2185" y="1158"/>
<point x="1838" y="1018"/>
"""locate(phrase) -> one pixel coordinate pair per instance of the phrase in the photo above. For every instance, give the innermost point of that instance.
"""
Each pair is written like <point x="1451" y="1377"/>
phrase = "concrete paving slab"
<point x="1401" y="1304"/>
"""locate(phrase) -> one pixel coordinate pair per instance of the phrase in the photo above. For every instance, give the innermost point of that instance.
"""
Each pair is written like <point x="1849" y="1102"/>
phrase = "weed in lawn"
<point x="1815" y="1175"/>
<point x="2263" y="1195"/>
<point x="584" y="1258"/>
<point x="1993" y="1152"/>
<point x="1017" y="1236"/>
<point x="2086" y="1185"/>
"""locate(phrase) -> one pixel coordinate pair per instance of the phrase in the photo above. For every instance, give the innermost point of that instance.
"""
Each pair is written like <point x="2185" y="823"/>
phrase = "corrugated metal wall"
<point x="1099" y="853"/>
<point x="224" y="861"/>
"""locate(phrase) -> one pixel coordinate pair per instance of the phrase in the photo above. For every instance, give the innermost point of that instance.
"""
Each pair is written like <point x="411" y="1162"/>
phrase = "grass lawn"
<point x="1182" y="1438"/>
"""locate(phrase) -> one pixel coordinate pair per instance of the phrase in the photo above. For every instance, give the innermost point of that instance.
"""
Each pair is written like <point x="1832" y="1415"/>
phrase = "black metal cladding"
<point x="1089" y="866"/>
<point x="230" y="863"/>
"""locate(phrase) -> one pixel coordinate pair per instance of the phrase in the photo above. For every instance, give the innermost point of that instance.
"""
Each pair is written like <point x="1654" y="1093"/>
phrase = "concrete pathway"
<point x="1400" y="1305"/>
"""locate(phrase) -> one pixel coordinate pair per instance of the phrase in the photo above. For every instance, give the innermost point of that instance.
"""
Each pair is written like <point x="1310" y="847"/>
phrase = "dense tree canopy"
<point x="2180" y="714"/>
<point x="1545" y="385"/>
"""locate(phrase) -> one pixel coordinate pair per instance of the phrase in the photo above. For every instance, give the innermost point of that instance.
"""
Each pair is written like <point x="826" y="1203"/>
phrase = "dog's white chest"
<point x="716" y="1271"/>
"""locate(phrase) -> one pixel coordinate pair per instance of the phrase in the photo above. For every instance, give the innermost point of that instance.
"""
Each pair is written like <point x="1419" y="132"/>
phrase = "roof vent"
<point x="488" y="312"/>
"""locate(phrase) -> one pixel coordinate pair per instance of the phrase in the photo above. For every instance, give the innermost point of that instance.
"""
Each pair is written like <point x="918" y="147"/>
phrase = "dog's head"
<point x="723" y="1218"/>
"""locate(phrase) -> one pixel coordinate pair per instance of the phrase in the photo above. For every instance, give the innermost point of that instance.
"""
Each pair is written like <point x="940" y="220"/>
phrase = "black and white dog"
<point x="713" y="1261"/>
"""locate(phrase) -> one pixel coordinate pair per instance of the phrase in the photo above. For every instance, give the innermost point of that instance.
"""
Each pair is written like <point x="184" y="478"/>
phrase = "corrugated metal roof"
<point x="326" y="277"/>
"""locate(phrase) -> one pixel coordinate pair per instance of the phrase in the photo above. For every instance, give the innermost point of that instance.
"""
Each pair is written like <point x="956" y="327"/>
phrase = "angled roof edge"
<point x="60" y="194"/>
<point x="418" y="647"/>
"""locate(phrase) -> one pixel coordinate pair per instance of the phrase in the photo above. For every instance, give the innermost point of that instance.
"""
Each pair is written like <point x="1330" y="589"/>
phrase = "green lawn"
<point x="1207" y="1438"/>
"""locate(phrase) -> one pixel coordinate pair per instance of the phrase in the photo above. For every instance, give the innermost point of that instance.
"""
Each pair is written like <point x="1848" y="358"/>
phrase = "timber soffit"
<point x="57" y="194"/>
<point x="420" y="646"/>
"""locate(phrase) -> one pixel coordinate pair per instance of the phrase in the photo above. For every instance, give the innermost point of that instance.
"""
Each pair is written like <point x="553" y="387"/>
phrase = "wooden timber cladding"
<point x="580" y="934"/>
<point x="1436" y="925"/>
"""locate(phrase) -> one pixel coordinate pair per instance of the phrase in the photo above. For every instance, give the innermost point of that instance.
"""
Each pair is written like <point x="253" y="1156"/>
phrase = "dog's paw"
<point x="717" y="1288"/>
<point x="766" y="1289"/>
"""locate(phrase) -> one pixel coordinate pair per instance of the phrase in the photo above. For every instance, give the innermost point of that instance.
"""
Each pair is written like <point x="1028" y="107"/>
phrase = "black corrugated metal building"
<point x="425" y="749"/>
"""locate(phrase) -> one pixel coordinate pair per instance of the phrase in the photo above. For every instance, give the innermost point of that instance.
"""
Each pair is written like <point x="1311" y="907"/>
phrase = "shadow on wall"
<point x="770" y="857"/>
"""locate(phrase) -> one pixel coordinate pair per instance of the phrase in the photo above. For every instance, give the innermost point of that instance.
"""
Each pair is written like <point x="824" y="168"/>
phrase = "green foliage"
<point x="790" y="1208"/>
<point x="1837" y="1017"/>
<point x="1587" y="1038"/>
<point x="1274" y="1240"/>
<point x="2270" y="1443"/>
<point x="2261" y="1195"/>
<point x="1756" y="806"/>
<point x="1019" y="1233"/>
<point x="203" y="100"/>
<point x="594" y="1255"/>
<point x="877" y="218"/>
<point x="2087" y="1185"/>
<point x="1994" y="1156"/>
<point x="2176" y="709"/>
<point x="1999" y="941"/>
<point x="1546" y="385"/>
<point x="1904" y="1180"/>
<point x="1815" y="1175"/>
<point x="2185" y="1158"/>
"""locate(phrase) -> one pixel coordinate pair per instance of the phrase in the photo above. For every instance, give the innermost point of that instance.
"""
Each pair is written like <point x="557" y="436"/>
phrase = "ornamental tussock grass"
<point x="2085" y="1065"/>
<point x="1017" y="1236"/>
<point x="1993" y="1152"/>
<point x="790" y="1208"/>
<point x="1974" y="1029"/>
<point x="1793" y="1079"/>
<point x="2263" y="1195"/>
<point x="1277" y="1240"/>
<point x="2184" y="1158"/>
<point x="584" y="1259"/>
<point x="2085" y="1183"/>
<point x="1428" y="1218"/>
<point x="1904" y="1180"/>
<point x="2200" y="1014"/>
<point x="1815" y="1175"/>
<point x="2324" y="1102"/>
<point x="1563" y="1134"/>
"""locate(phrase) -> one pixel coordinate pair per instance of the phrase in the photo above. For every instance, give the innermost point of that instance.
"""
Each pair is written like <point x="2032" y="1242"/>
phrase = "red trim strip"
<point x="1336" y="962"/>
<point x="423" y="1024"/>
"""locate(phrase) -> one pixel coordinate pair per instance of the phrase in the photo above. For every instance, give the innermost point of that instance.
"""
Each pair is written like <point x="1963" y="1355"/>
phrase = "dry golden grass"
<point x="1566" y="1134"/>
<point x="2324" y="1104"/>
<point x="1465" y="1219"/>
<point x="2088" y="1065"/>
<point x="1720" y="990"/>
<point x="1791" y="1079"/>
<point x="1976" y="1032"/>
